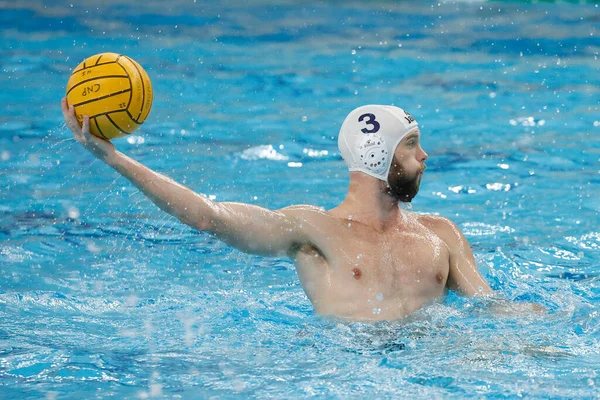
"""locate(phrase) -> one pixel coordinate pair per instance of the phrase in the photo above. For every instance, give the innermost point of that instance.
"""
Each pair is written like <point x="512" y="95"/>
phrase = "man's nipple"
<point x="439" y="278"/>
<point x="357" y="273"/>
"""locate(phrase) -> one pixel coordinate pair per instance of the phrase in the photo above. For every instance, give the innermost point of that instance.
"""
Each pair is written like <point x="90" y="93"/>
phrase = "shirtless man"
<point x="366" y="259"/>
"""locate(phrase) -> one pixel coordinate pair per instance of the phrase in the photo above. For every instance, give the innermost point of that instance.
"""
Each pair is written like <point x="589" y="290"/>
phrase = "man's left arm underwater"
<point x="463" y="277"/>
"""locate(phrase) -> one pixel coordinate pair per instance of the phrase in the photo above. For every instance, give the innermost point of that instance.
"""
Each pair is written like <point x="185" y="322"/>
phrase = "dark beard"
<point x="401" y="186"/>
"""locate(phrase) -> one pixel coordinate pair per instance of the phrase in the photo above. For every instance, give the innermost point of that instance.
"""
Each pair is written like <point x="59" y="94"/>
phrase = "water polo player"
<point x="367" y="258"/>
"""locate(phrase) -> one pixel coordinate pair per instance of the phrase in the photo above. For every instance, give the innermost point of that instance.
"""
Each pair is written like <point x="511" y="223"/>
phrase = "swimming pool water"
<point x="104" y="296"/>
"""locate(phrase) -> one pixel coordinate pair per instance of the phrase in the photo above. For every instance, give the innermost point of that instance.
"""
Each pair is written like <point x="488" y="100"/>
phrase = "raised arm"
<point x="246" y="227"/>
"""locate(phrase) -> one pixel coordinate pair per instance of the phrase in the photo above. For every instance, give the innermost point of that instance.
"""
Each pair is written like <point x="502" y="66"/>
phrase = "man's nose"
<point x="424" y="155"/>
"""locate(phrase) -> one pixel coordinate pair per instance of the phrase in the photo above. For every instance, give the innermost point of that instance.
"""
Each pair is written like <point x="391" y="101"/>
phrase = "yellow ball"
<point x="114" y="91"/>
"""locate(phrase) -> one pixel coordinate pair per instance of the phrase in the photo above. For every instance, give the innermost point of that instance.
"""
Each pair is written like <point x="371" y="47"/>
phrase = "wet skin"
<point x="363" y="274"/>
<point x="366" y="259"/>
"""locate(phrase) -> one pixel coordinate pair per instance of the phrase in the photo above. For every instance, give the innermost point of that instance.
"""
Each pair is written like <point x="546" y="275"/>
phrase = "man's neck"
<point x="369" y="202"/>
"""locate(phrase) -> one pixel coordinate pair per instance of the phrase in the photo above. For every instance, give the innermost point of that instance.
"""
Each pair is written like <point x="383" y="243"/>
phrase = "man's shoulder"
<point x="305" y="211"/>
<point x="302" y="208"/>
<point x="318" y="227"/>
<point x="313" y="218"/>
<point x="432" y="220"/>
<point x="444" y="227"/>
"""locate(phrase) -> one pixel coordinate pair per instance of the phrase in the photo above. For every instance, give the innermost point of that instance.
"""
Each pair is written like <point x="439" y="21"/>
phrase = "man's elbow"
<point x="202" y="224"/>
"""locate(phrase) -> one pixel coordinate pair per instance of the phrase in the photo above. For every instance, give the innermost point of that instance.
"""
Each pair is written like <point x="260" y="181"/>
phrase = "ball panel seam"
<point x="101" y="97"/>
<point x="98" y="78"/>
<point x="98" y="128"/>
<point x="143" y="88"/>
<point x="117" y="126"/>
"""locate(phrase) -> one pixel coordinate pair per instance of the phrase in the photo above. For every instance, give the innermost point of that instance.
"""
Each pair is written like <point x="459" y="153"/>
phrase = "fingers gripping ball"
<point x="114" y="91"/>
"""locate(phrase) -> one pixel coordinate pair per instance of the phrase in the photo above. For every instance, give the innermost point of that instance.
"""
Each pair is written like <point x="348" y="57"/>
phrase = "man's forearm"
<point x="179" y="201"/>
<point x="173" y="198"/>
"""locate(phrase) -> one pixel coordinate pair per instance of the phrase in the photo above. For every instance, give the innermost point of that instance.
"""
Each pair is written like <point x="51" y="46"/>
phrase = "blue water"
<point x="104" y="296"/>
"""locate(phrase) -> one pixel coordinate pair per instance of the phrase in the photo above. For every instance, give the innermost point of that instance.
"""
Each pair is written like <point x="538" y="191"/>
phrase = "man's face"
<point x="407" y="168"/>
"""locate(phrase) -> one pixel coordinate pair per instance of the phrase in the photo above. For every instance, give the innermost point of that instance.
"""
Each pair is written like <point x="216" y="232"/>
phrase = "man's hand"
<point x="102" y="149"/>
<point x="504" y="307"/>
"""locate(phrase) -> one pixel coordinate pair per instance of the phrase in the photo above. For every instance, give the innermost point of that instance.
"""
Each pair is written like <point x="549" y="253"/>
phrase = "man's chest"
<point x="398" y="259"/>
<point x="393" y="277"/>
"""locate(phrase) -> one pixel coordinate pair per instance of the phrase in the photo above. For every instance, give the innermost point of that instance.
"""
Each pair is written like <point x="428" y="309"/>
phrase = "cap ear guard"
<point x="373" y="153"/>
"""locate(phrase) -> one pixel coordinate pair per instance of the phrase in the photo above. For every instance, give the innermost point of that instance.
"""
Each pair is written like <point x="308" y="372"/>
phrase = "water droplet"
<point x="73" y="213"/>
<point x="135" y="140"/>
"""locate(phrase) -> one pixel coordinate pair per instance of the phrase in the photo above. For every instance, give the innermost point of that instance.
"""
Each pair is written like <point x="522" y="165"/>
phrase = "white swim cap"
<point x="369" y="136"/>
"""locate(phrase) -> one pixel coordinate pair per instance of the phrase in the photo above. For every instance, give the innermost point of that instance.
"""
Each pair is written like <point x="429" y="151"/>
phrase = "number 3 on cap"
<point x="370" y="121"/>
